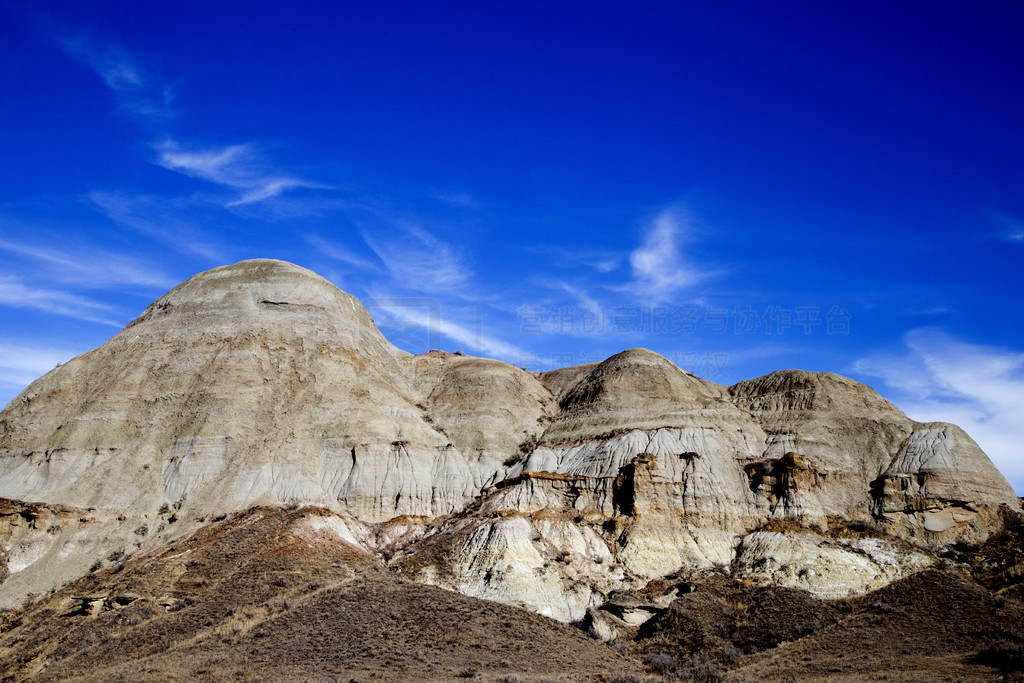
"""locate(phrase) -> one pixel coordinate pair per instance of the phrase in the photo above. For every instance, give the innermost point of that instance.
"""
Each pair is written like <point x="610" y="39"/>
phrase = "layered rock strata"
<point x="262" y="383"/>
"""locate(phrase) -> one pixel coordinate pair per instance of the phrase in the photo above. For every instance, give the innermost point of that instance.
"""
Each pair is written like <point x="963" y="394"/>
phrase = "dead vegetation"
<point x="251" y="597"/>
<point x="963" y="620"/>
<point x="245" y="599"/>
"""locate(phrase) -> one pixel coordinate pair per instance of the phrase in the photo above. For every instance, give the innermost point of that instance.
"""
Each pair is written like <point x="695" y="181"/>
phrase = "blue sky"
<point x="740" y="186"/>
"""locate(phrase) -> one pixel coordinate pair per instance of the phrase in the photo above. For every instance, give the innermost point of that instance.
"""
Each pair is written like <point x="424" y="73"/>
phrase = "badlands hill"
<point x="597" y="495"/>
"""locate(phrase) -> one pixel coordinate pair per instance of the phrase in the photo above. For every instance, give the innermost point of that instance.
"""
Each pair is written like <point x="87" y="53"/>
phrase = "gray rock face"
<point x="259" y="382"/>
<point x="263" y="383"/>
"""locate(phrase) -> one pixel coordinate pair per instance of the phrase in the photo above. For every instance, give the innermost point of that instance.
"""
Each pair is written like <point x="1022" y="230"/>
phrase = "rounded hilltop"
<point x="634" y="389"/>
<point x="257" y="286"/>
<point x="802" y="390"/>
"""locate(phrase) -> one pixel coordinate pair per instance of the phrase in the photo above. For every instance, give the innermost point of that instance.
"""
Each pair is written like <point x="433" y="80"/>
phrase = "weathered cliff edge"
<point x="262" y="383"/>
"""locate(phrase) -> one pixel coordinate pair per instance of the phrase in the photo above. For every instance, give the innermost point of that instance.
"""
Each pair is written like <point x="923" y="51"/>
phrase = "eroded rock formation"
<point x="262" y="383"/>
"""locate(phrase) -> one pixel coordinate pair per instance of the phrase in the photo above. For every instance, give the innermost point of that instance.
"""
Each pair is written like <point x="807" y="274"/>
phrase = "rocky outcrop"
<point x="932" y="486"/>
<point x="259" y="382"/>
<point x="262" y="383"/>
<point x="491" y="411"/>
<point x="824" y="567"/>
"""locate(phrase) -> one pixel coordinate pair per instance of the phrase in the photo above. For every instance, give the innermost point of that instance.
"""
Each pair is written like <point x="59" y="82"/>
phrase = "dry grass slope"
<point x="255" y="597"/>
<point x="243" y="599"/>
<point x="961" y="621"/>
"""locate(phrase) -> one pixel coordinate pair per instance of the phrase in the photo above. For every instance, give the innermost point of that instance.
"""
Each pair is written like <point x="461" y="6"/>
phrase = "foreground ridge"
<point x="277" y="594"/>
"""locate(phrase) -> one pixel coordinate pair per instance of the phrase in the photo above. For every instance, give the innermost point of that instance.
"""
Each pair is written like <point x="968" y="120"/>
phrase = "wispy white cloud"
<point x="147" y="98"/>
<point x="462" y="200"/>
<point x="585" y="301"/>
<point x="934" y="310"/>
<point x="576" y="257"/>
<point x="740" y="355"/>
<point x="21" y="365"/>
<point x="1007" y="228"/>
<point x="422" y="262"/>
<point x="589" y="315"/>
<point x="980" y="388"/>
<point x="170" y="221"/>
<point x="238" y="167"/>
<point x="605" y="265"/>
<point x="138" y="93"/>
<point x="659" y="267"/>
<point x="92" y="268"/>
<point x="111" y="63"/>
<point x="435" y="322"/>
<point x="16" y="294"/>
<point x="336" y="252"/>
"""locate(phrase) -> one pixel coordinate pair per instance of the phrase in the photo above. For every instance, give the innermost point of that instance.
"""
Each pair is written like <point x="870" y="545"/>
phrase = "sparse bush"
<point x="702" y="670"/>
<point x="164" y="509"/>
<point x="142" y="530"/>
<point x="730" y="653"/>
<point x="661" y="663"/>
<point x="96" y="565"/>
<point x="883" y="607"/>
<point x="280" y="580"/>
<point x="529" y="445"/>
<point x="864" y="526"/>
<point x="466" y="673"/>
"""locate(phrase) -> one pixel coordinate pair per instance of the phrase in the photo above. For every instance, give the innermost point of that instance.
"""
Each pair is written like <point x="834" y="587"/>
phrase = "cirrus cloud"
<point x="937" y="377"/>
<point x="236" y="166"/>
<point x="660" y="269"/>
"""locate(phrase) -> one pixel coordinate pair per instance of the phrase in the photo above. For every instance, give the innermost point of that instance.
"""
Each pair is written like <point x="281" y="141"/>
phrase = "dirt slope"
<point x="263" y="595"/>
